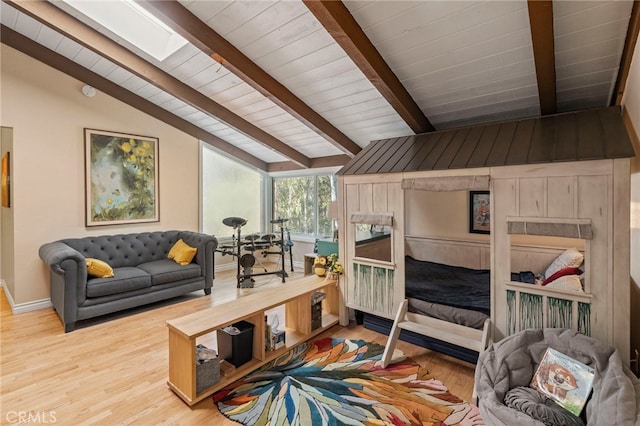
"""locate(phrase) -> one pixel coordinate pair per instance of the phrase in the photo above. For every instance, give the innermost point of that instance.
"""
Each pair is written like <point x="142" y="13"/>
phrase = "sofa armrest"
<point x="54" y="254"/>
<point x="68" y="279"/>
<point x="206" y="245"/>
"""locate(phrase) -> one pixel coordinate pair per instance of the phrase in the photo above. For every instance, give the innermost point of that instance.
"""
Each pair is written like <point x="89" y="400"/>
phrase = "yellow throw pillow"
<point x="99" y="268"/>
<point x="182" y="253"/>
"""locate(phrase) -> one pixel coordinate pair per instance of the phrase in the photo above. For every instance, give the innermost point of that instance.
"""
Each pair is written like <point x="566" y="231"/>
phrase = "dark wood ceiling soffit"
<point x="337" y="20"/>
<point x="181" y="20"/>
<point x="58" y="20"/>
<point x="627" y="54"/>
<point x="67" y="66"/>
<point x="541" y="23"/>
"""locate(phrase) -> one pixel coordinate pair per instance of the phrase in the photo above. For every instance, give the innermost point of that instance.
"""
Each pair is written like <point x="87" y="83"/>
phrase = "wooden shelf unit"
<point x="294" y="295"/>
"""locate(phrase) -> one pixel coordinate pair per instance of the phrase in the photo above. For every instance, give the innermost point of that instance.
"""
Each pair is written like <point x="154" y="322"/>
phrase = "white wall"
<point x="631" y="104"/>
<point x="48" y="113"/>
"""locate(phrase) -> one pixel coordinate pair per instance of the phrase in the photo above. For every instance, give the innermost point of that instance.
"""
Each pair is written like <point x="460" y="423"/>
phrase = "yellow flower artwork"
<point x="121" y="178"/>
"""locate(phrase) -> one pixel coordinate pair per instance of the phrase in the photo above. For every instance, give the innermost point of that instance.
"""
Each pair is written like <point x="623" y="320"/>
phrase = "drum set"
<point x="245" y="250"/>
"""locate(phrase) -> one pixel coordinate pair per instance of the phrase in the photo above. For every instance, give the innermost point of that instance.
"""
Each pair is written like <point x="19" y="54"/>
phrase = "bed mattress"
<point x="453" y="286"/>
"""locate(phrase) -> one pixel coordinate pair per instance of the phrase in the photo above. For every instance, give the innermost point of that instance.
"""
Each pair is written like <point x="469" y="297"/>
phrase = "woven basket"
<point x="207" y="373"/>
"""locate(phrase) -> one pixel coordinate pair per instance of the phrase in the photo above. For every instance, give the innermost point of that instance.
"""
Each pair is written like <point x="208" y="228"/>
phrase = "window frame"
<point x="316" y="173"/>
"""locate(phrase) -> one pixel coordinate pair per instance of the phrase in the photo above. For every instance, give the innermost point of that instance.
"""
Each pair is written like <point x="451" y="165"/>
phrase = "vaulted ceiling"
<point x="285" y="85"/>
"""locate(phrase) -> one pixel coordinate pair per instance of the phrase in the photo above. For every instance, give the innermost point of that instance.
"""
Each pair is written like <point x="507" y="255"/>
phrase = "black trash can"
<point x="236" y="348"/>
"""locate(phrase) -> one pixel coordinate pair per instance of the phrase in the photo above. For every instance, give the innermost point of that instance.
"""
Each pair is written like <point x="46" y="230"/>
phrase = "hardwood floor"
<point x="114" y="370"/>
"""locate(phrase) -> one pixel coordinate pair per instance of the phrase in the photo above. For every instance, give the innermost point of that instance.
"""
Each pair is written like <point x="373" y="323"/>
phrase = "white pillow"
<point x="570" y="258"/>
<point x="567" y="282"/>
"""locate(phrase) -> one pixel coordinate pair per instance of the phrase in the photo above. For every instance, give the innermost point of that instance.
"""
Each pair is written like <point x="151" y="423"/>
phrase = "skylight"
<point x="128" y="20"/>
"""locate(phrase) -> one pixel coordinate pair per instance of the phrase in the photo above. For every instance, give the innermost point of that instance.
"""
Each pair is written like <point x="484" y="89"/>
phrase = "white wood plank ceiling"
<point x="459" y="62"/>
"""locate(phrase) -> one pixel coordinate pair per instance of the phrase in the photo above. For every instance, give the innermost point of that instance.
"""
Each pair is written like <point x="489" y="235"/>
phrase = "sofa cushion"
<point x="182" y="252"/>
<point x="166" y="271"/>
<point x="124" y="279"/>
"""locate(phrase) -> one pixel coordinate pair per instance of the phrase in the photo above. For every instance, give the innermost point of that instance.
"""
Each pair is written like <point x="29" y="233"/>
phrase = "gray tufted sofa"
<point x="142" y="272"/>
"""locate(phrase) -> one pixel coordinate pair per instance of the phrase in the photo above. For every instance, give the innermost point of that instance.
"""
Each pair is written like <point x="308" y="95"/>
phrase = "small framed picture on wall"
<point x="479" y="212"/>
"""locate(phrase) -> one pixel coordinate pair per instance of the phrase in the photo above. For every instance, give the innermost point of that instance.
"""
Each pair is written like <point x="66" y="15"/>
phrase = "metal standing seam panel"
<point x="584" y="135"/>
<point x="361" y="158"/>
<point x="451" y="151"/>
<point x="426" y="142"/>
<point x="520" y="143"/>
<point x="590" y="136"/>
<point x="566" y="140"/>
<point x="437" y="151"/>
<point x="399" y="145"/>
<point x="498" y="154"/>
<point x="468" y="146"/>
<point x="484" y="146"/>
<point x="614" y="130"/>
<point x="542" y="141"/>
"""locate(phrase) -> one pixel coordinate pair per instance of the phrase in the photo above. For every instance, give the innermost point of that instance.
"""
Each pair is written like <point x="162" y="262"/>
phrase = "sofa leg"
<point x="207" y="291"/>
<point x="69" y="326"/>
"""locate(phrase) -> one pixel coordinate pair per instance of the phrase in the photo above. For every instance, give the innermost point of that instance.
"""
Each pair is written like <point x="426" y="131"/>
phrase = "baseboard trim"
<point x="21" y="308"/>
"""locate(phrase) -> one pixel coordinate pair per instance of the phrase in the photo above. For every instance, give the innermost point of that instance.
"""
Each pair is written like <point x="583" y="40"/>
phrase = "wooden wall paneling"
<point x="365" y="194"/>
<point x="341" y="292"/>
<point x="395" y="200"/>
<point x="504" y="203"/>
<point x="594" y="203"/>
<point x="561" y="197"/>
<point x="532" y="197"/>
<point x="351" y="205"/>
<point x="379" y="198"/>
<point x="620" y="249"/>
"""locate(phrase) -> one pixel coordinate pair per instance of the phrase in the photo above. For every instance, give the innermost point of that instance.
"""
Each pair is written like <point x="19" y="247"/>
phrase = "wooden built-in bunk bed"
<point x="557" y="184"/>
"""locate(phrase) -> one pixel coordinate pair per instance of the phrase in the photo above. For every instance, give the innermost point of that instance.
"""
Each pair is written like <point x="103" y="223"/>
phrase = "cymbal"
<point x="234" y="221"/>
<point x="279" y="220"/>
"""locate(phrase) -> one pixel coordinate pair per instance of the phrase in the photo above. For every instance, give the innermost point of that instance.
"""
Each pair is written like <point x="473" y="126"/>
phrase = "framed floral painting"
<point x="121" y="178"/>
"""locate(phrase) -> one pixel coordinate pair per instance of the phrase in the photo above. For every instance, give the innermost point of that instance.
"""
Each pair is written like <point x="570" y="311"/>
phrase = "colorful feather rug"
<point x="338" y="382"/>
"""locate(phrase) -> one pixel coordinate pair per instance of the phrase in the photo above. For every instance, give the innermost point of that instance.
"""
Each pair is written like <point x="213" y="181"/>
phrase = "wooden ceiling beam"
<point x="181" y="20"/>
<point x="627" y="54"/>
<point x="40" y="53"/>
<point x="316" y="163"/>
<point x="541" y="24"/>
<point x="337" y="20"/>
<point x="86" y="36"/>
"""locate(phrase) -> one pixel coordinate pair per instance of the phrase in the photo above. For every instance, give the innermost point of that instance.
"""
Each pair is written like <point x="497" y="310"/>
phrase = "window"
<point x="132" y="22"/>
<point x="304" y="201"/>
<point x="229" y="189"/>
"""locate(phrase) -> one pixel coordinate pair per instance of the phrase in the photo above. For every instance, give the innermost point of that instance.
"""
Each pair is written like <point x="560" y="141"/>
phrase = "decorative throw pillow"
<point x="562" y="273"/>
<point x="570" y="258"/>
<point x="567" y="282"/>
<point x="537" y="406"/>
<point x="182" y="252"/>
<point x="99" y="268"/>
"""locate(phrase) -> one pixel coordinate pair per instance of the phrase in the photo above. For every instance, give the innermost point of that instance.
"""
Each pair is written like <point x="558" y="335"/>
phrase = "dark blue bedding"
<point x="448" y="285"/>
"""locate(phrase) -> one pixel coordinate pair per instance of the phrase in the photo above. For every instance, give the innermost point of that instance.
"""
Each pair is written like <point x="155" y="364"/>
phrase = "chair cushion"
<point x="166" y="271"/>
<point x="124" y="279"/>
